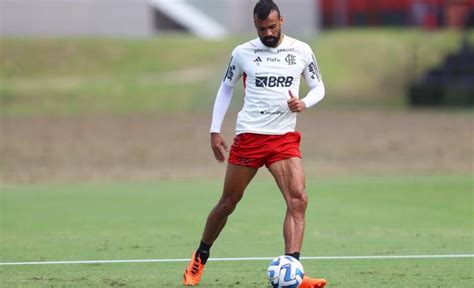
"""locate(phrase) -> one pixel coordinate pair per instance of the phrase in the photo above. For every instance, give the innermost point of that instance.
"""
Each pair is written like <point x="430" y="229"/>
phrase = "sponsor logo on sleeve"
<point x="313" y="69"/>
<point x="229" y="74"/>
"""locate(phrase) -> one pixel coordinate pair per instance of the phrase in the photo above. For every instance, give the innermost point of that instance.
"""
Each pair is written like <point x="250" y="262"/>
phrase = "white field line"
<point x="379" y="257"/>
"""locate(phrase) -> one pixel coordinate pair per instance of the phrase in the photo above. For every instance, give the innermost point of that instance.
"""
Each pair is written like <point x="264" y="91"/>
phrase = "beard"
<point x="271" y="41"/>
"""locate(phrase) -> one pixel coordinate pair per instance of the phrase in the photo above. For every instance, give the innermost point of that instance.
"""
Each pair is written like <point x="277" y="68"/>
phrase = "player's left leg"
<point x="290" y="178"/>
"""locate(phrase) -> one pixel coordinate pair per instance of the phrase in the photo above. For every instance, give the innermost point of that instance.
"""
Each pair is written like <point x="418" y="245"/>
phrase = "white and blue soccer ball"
<point x="285" y="271"/>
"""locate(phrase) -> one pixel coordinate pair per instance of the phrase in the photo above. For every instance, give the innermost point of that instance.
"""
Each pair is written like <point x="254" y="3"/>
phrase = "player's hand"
<point x="295" y="104"/>
<point x="219" y="148"/>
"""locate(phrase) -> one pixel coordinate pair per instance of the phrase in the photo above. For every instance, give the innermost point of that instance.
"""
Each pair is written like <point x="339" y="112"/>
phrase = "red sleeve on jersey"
<point x="244" y="80"/>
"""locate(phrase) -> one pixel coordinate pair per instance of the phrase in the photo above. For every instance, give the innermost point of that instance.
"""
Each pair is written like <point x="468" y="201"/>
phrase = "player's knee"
<point x="227" y="205"/>
<point x="298" y="203"/>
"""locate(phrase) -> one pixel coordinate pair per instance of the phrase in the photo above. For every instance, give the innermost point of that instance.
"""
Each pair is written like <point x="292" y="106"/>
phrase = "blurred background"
<point x="94" y="90"/>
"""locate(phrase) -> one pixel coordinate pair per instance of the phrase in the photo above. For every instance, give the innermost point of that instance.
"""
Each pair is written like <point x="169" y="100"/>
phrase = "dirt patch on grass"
<point x="364" y="142"/>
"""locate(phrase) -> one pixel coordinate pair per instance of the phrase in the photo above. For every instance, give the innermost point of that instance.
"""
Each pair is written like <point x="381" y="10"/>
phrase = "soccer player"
<point x="271" y="67"/>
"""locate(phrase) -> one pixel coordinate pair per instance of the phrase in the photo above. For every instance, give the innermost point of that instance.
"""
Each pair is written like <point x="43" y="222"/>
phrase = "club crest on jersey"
<point x="273" y="81"/>
<point x="290" y="59"/>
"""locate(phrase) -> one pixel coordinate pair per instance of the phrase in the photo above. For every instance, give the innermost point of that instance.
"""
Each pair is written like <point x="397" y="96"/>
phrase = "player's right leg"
<point x="289" y="175"/>
<point x="236" y="180"/>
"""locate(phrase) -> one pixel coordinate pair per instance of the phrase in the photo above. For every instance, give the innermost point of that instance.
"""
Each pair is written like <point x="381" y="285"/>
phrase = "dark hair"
<point x="263" y="8"/>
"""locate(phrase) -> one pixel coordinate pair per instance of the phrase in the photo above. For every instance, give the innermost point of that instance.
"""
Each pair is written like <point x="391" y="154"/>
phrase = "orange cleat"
<point x="192" y="274"/>
<point x="309" y="282"/>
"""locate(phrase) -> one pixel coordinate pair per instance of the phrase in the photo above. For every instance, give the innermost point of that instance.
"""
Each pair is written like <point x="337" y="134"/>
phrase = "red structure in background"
<point x="427" y="13"/>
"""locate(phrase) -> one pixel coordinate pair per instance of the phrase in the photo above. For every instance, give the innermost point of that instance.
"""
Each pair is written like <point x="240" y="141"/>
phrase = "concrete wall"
<point x="75" y="17"/>
<point x="125" y="18"/>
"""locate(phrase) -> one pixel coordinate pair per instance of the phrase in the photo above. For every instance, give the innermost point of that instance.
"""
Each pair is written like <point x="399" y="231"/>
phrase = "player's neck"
<point x="281" y="40"/>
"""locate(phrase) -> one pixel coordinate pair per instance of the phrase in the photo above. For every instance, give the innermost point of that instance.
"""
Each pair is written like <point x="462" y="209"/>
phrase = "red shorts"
<point x="255" y="150"/>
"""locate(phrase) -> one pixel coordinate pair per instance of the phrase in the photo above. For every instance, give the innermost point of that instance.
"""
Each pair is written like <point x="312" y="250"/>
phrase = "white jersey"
<point x="268" y="75"/>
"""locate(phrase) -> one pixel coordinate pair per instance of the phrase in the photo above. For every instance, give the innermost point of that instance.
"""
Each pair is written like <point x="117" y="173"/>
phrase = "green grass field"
<point x="370" y="67"/>
<point x="163" y="220"/>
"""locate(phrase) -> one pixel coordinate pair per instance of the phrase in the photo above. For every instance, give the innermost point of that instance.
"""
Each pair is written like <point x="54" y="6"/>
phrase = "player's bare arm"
<point x="219" y="147"/>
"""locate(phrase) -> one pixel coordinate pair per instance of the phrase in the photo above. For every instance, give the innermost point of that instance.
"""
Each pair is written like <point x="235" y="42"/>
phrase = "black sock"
<point x="294" y="255"/>
<point x="203" y="252"/>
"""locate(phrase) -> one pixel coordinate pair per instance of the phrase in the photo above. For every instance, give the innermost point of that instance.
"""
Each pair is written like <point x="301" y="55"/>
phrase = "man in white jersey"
<point x="271" y="67"/>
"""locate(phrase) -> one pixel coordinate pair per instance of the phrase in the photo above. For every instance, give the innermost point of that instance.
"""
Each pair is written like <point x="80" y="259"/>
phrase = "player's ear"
<point x="281" y="20"/>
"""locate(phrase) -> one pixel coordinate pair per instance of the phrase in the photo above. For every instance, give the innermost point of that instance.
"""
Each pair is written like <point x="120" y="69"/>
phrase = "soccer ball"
<point x="285" y="271"/>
